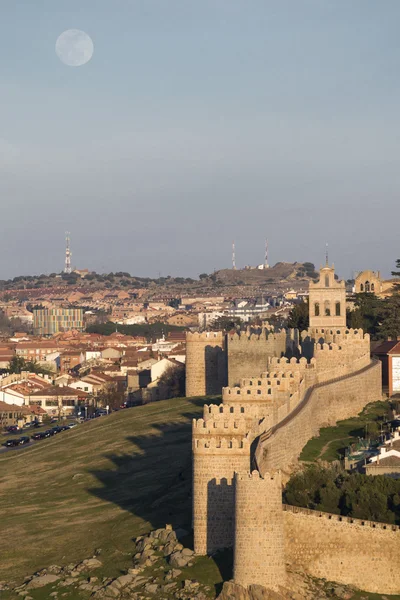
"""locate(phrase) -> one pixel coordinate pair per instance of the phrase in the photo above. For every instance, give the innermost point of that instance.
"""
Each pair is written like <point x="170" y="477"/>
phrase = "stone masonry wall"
<point x="259" y="555"/>
<point x="248" y="353"/>
<point x="352" y="552"/>
<point x="322" y="406"/>
<point x="206" y="370"/>
<point x="214" y="465"/>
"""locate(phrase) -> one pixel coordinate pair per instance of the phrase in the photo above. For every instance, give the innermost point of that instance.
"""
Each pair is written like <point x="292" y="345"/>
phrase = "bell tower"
<point x="327" y="298"/>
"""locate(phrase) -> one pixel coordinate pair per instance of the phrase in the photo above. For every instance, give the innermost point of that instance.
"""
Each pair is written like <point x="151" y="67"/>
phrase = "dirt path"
<point x="325" y="448"/>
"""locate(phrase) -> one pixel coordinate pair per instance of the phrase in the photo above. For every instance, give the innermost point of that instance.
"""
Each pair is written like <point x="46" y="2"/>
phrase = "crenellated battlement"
<point x="216" y="446"/>
<point x="205" y="336"/>
<point x="228" y="426"/>
<point x="224" y="411"/>
<point x="256" y="476"/>
<point x="248" y="337"/>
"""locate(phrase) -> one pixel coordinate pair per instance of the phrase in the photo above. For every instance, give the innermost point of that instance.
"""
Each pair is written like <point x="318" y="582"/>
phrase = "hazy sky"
<point x="199" y="122"/>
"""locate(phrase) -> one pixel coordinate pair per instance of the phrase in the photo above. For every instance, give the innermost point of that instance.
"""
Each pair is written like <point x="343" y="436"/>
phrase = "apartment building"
<point x="48" y="321"/>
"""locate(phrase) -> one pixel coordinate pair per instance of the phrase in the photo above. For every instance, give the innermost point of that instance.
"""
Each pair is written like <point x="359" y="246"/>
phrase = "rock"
<point x="172" y="574"/>
<point x="53" y="594"/>
<point x="42" y="580"/>
<point x="124" y="580"/>
<point x="343" y="593"/>
<point x="151" y="588"/>
<point x="177" y="559"/>
<point x="91" y="563"/>
<point x="169" y="548"/>
<point x="170" y="586"/>
<point x="54" y="569"/>
<point x="187" y="552"/>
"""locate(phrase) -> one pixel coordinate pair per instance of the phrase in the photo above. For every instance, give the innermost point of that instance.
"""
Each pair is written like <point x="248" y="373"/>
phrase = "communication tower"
<point x="68" y="254"/>
<point x="233" y="257"/>
<point x="266" y="265"/>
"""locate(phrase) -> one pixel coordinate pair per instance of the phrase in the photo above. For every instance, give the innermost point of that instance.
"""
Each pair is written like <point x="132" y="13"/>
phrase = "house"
<point x="59" y="400"/>
<point x="111" y="354"/>
<point x="387" y="462"/>
<point x="70" y="359"/>
<point x="160" y="367"/>
<point x="11" y="414"/>
<point x="388" y="353"/>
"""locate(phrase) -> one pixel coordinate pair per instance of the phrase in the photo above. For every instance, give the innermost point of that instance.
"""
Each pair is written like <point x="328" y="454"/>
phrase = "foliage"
<point x="390" y="326"/>
<point x="18" y="364"/>
<point x="225" y="323"/>
<point x="299" y="316"/>
<point x="151" y="331"/>
<point x="174" y="379"/>
<point x="332" y="442"/>
<point x="333" y="490"/>
<point x="203" y="276"/>
<point x="367" y="314"/>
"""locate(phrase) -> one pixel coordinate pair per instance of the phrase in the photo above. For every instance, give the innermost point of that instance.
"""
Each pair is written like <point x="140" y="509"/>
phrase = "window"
<point x="326" y="280"/>
<point x="367" y="286"/>
<point x="361" y="288"/>
<point x="372" y="287"/>
<point x="327" y="308"/>
<point x="337" y="309"/>
<point x="316" y="309"/>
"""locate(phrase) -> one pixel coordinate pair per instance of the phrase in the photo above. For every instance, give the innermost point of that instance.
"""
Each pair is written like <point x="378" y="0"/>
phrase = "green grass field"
<point x="332" y="441"/>
<point x="98" y="486"/>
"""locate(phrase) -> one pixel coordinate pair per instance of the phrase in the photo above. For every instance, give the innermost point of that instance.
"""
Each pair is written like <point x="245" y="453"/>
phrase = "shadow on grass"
<point x="154" y="481"/>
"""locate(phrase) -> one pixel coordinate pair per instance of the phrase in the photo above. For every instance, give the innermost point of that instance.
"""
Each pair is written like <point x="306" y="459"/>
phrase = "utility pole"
<point x="233" y="257"/>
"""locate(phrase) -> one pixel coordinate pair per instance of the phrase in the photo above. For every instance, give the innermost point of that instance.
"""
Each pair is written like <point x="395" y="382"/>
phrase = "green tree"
<point x="17" y="364"/>
<point x="367" y="314"/>
<point x="299" y="317"/>
<point x="174" y="379"/>
<point x="390" y="325"/>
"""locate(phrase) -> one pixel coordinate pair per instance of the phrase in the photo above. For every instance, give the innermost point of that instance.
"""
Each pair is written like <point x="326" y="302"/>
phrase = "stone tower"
<point x="327" y="301"/>
<point x="206" y="367"/>
<point x="259" y="556"/>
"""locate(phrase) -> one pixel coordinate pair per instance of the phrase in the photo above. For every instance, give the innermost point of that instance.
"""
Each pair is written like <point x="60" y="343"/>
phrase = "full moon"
<point x="74" y="47"/>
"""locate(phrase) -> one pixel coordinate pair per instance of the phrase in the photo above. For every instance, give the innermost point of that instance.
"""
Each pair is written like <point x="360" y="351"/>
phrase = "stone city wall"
<point x="350" y="551"/>
<point x="322" y="406"/>
<point x="259" y="553"/>
<point x="206" y="370"/>
<point x="248" y="353"/>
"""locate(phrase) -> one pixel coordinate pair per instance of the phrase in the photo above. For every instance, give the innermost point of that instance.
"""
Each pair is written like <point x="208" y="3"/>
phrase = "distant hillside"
<point x="282" y="271"/>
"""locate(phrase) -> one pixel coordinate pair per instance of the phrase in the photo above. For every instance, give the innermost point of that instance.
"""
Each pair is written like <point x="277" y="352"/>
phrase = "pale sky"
<point x="196" y="123"/>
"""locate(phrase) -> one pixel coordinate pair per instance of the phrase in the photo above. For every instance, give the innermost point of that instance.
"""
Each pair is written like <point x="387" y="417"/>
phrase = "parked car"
<point x="12" y="429"/>
<point x="71" y="425"/>
<point x="11" y="443"/>
<point x="40" y="435"/>
<point x="64" y="427"/>
<point x="56" y="430"/>
<point x="24" y="440"/>
<point x="48" y="433"/>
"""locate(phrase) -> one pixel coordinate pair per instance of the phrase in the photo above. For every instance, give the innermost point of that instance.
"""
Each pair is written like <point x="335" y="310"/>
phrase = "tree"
<point x="225" y="323"/>
<point x="174" y="379"/>
<point x="299" y="316"/>
<point x="397" y="275"/>
<point x="203" y="276"/>
<point x="390" y="325"/>
<point x="17" y="364"/>
<point x="367" y="314"/>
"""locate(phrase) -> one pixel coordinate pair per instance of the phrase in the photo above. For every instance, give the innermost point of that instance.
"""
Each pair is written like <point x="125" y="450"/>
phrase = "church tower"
<point x="327" y="299"/>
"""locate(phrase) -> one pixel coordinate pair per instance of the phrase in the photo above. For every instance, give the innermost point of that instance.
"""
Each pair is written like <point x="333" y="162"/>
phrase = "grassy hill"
<point x="97" y="486"/>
